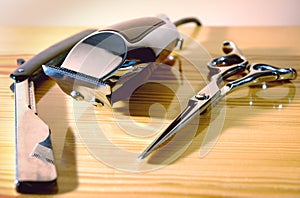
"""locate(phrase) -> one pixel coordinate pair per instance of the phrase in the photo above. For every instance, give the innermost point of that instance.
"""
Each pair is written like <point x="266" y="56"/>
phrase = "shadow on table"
<point x="52" y="108"/>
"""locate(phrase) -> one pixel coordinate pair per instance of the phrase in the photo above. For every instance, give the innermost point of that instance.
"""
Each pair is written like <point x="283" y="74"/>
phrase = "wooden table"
<point x="257" y="145"/>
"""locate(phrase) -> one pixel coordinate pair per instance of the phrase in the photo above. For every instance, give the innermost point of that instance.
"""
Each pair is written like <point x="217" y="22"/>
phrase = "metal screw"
<point x="201" y="96"/>
<point x="180" y="42"/>
<point x="76" y="95"/>
<point x="20" y="70"/>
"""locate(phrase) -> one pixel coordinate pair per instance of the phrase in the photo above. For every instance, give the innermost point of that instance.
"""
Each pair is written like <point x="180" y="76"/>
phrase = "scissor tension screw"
<point x="201" y="96"/>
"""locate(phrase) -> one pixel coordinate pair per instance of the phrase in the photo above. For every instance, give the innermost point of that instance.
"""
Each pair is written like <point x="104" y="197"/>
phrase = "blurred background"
<point x="105" y="12"/>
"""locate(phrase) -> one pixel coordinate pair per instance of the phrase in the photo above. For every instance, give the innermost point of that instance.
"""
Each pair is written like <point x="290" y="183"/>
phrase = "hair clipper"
<point x="105" y="60"/>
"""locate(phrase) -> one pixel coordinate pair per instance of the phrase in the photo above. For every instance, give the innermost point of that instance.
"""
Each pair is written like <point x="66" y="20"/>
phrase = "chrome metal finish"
<point x="259" y="73"/>
<point x="230" y="64"/>
<point x="180" y="43"/>
<point x="76" y="95"/>
<point x="35" y="166"/>
<point x="102" y="62"/>
<point x="201" y="97"/>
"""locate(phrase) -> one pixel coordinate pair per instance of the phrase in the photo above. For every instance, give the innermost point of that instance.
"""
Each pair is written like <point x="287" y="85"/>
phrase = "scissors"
<point x="232" y="63"/>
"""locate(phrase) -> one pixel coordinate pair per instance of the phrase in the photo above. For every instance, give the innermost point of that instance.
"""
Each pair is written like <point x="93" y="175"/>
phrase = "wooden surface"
<point x="257" y="149"/>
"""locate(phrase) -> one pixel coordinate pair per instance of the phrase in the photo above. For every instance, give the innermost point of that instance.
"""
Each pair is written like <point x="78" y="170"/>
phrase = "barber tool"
<point x="90" y="65"/>
<point x="224" y="67"/>
<point x="100" y="65"/>
<point x="35" y="167"/>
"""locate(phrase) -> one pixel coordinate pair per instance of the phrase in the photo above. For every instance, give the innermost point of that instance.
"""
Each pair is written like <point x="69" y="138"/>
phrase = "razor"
<point x="98" y="66"/>
<point x="35" y="164"/>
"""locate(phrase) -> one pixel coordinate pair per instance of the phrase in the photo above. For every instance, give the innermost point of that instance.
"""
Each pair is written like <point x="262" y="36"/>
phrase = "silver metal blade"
<point x="35" y="169"/>
<point x="196" y="104"/>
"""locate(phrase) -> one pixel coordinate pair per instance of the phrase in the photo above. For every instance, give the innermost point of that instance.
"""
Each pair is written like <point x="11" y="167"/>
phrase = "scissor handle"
<point x="233" y="62"/>
<point x="227" y="66"/>
<point x="259" y="73"/>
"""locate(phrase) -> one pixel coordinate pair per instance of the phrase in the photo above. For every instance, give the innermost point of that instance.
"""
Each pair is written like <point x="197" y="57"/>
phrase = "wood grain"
<point x="257" y="148"/>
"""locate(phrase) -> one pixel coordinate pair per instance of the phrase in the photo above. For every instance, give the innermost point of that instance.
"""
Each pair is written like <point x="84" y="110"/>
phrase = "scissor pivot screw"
<point x="201" y="96"/>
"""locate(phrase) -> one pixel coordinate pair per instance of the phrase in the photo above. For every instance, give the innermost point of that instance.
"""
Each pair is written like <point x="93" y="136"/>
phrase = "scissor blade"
<point x="196" y="104"/>
<point x="179" y="121"/>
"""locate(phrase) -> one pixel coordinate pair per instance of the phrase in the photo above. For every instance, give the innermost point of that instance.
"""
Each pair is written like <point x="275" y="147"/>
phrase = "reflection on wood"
<point x="256" y="154"/>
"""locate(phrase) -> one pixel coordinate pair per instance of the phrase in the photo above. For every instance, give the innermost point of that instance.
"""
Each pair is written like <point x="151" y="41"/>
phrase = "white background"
<point x="106" y="12"/>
